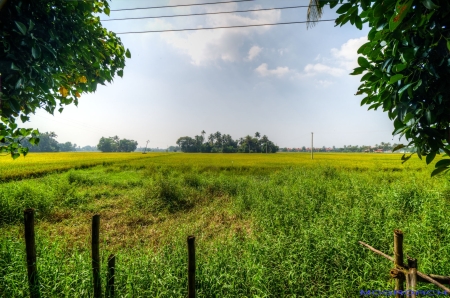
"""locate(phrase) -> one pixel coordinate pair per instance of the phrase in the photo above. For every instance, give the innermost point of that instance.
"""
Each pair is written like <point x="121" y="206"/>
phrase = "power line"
<point x="204" y="13"/>
<point x="180" y="5"/>
<point x="222" y="27"/>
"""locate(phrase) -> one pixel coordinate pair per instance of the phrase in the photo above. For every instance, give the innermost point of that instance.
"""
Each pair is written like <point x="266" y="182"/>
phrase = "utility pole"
<point x="312" y="145"/>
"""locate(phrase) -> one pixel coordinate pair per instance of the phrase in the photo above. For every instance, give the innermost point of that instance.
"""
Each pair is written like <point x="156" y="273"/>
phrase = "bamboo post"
<point x="96" y="256"/>
<point x="398" y="260"/>
<point x="110" y="276"/>
<point x="412" y="277"/>
<point x="191" y="266"/>
<point x="30" y="246"/>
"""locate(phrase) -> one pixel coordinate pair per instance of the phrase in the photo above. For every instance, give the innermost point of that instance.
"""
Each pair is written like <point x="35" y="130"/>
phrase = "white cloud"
<point x="319" y="68"/>
<point x="209" y="45"/>
<point x="324" y="83"/>
<point x="347" y="55"/>
<point x="263" y="70"/>
<point x="342" y="60"/>
<point x="253" y="52"/>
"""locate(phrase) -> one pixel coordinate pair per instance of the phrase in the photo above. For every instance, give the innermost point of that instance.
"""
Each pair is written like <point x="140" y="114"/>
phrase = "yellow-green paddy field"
<point x="266" y="225"/>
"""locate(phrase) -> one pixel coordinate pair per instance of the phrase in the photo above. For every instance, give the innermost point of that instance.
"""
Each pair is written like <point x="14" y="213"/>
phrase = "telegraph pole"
<point x="312" y="145"/>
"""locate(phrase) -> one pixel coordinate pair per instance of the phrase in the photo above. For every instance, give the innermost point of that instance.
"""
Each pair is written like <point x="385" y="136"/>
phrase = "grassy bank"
<point x="266" y="225"/>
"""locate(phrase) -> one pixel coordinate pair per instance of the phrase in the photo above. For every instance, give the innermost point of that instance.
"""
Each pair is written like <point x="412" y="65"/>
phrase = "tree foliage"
<point x="51" y="52"/>
<point x="406" y="67"/>
<point x="115" y="144"/>
<point x="224" y="143"/>
<point x="48" y="143"/>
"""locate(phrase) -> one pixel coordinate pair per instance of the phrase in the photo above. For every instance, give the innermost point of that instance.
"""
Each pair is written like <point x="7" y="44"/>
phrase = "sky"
<point x="282" y="81"/>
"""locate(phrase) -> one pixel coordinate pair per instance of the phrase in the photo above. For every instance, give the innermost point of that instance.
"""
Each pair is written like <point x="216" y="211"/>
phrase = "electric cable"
<point x="221" y="27"/>
<point x="205" y="13"/>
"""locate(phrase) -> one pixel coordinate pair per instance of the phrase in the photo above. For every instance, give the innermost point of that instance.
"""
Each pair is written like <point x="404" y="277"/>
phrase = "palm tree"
<point x="203" y="135"/>
<point x="211" y="138"/>
<point x="315" y="11"/>
<point x="265" y="140"/>
<point x="248" y="139"/>
<point x="218" y="137"/>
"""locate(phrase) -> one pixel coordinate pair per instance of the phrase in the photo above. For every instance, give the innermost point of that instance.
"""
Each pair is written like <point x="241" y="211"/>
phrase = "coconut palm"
<point x="203" y="135"/>
<point x="211" y="139"/>
<point x="315" y="11"/>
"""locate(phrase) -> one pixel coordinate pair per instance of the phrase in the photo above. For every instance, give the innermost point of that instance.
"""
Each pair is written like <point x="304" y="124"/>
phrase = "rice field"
<point x="276" y="225"/>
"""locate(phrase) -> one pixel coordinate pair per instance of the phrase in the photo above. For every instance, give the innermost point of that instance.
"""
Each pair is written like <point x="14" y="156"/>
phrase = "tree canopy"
<point x="115" y="144"/>
<point x="405" y="66"/>
<point x="224" y="143"/>
<point x="51" y="52"/>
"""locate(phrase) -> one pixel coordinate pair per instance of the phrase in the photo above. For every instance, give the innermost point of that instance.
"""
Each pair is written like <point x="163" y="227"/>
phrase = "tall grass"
<point x="262" y="230"/>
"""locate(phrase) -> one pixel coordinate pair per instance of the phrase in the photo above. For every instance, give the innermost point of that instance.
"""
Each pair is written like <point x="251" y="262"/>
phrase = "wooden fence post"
<point x="191" y="266"/>
<point x="412" y="277"/>
<point x="398" y="260"/>
<point x="30" y="246"/>
<point x="96" y="256"/>
<point x="110" y="276"/>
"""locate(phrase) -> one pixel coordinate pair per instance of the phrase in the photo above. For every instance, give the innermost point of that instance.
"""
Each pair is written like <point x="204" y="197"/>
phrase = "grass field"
<point x="277" y="225"/>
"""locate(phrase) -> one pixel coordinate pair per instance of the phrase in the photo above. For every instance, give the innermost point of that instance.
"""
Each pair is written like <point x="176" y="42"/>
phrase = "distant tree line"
<point x="224" y="143"/>
<point x="48" y="143"/>
<point x="115" y="144"/>
<point x="350" y="148"/>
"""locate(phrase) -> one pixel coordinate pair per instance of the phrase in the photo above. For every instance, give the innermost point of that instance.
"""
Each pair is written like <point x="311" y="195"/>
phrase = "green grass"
<point x="276" y="225"/>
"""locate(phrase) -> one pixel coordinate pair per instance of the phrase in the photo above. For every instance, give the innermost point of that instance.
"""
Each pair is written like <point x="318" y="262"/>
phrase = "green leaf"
<point x="395" y="78"/>
<point x="429" y="4"/>
<point x="404" y="88"/>
<point x="358" y="22"/>
<point x="407" y="55"/>
<point x="400" y="67"/>
<point x="120" y="73"/>
<point x="400" y="146"/>
<point x="443" y="163"/>
<point x="428" y="116"/>
<point x="448" y="44"/>
<point x="438" y="171"/>
<point x="36" y="52"/>
<point x="365" y="4"/>
<point x="344" y="8"/>
<point x="417" y="85"/>
<point x="22" y="28"/>
<point x="14" y="67"/>
<point x="30" y="25"/>
<point x="15" y="155"/>
<point x="107" y="11"/>
<point x="401" y="10"/>
<point x="363" y="62"/>
<point x="128" y="54"/>
<point x="364" y="47"/>
<point x="430" y="157"/>
<point x="357" y="71"/>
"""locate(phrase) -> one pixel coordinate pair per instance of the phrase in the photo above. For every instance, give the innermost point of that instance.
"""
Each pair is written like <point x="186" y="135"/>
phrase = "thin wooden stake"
<point x="398" y="259"/>
<point x="30" y="246"/>
<point x="191" y="266"/>
<point x="96" y="256"/>
<point x="412" y="277"/>
<point x="110" y="276"/>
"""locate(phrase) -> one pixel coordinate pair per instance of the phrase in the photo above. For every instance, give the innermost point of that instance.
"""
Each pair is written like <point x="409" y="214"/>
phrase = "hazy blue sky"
<point x="283" y="81"/>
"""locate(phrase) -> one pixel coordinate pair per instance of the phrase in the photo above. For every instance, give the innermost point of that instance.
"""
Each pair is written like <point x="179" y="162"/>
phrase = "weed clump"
<point x="163" y="194"/>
